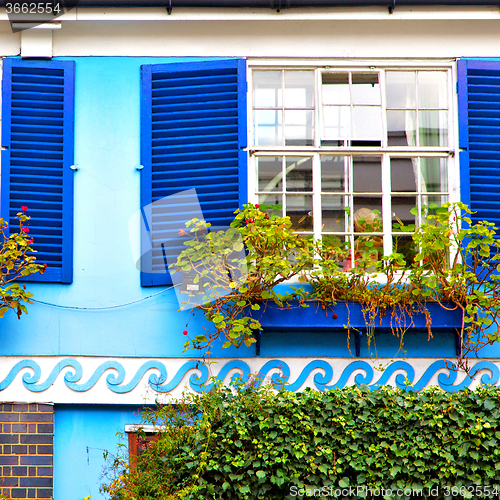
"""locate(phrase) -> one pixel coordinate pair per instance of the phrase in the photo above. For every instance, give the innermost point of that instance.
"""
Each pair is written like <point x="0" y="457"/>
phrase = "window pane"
<point x="365" y="88"/>
<point x="299" y="89"/>
<point x="267" y="91"/>
<point x="432" y="89"/>
<point x="335" y="88"/>
<point x="401" y="207"/>
<point x="401" y="127"/>
<point x="400" y="89"/>
<point x="434" y="201"/>
<point x="333" y="214"/>
<point x="270" y="174"/>
<point x="299" y="129"/>
<point x="367" y="174"/>
<point x="299" y="209"/>
<point x="367" y="215"/>
<point x="272" y="199"/>
<point x="268" y="127"/>
<point x="403" y="243"/>
<point x="367" y="123"/>
<point x="434" y="177"/>
<point x="404" y="175"/>
<point x="299" y="174"/>
<point x="433" y="128"/>
<point x="337" y="122"/>
<point x="334" y="173"/>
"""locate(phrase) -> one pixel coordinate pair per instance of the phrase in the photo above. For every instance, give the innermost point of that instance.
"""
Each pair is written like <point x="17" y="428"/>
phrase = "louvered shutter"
<point x="479" y="137"/>
<point x="193" y="131"/>
<point x="37" y="134"/>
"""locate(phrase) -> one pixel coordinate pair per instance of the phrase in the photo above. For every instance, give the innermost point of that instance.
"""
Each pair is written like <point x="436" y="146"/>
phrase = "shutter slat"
<point x="193" y="132"/>
<point x="37" y="132"/>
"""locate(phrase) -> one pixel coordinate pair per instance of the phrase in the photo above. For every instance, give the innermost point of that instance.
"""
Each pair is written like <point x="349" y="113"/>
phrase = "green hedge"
<point x="254" y="444"/>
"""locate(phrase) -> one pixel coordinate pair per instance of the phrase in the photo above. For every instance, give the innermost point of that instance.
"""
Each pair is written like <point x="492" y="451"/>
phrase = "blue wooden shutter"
<point x="193" y="130"/>
<point x="479" y="137"/>
<point x="37" y="134"/>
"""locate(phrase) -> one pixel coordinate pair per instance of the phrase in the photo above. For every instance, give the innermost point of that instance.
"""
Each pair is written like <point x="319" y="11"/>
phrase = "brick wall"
<point x="26" y="450"/>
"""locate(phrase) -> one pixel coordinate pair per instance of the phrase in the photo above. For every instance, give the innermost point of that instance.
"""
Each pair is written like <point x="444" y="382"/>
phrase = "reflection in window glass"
<point x="367" y="216"/>
<point x="270" y="174"/>
<point x="268" y="127"/>
<point x="400" y="89"/>
<point x="367" y="123"/>
<point x="404" y="175"/>
<point x="433" y="128"/>
<point x="432" y="89"/>
<point x="299" y="130"/>
<point x="434" y="177"/>
<point x="267" y="89"/>
<point x="334" y="173"/>
<point x="365" y="88"/>
<point x="272" y="199"/>
<point x="401" y="126"/>
<point x="401" y="207"/>
<point x="335" y="88"/>
<point x="337" y="122"/>
<point x="333" y="214"/>
<point x="367" y="174"/>
<point x="299" y="174"/>
<point x="299" y="89"/>
<point x="299" y="209"/>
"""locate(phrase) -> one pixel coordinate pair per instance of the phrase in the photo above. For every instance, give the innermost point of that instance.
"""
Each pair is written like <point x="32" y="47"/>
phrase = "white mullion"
<point x="383" y="104"/>
<point x="283" y="178"/>
<point x="318" y="109"/>
<point x="317" y="212"/>
<point x="386" y="205"/>
<point x="351" y="204"/>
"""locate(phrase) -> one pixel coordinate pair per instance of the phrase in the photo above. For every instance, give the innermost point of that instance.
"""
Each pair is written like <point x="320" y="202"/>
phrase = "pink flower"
<point x="24" y="208"/>
<point x="25" y="230"/>
<point x="184" y="332"/>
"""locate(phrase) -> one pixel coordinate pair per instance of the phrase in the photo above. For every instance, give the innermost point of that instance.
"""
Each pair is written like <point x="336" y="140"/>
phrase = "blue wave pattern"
<point x="275" y="371"/>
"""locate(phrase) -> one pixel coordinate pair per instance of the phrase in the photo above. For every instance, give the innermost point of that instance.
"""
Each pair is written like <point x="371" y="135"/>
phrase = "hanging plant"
<point x="454" y="264"/>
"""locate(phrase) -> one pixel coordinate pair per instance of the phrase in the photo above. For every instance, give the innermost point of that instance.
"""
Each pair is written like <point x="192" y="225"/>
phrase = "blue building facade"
<point x="93" y="137"/>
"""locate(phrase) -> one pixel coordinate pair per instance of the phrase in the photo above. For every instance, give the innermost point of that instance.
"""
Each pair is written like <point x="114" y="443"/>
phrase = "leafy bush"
<point x="455" y="263"/>
<point x="253" y="443"/>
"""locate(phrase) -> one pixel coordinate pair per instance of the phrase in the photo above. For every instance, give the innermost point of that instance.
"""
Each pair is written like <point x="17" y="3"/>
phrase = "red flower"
<point x="182" y="232"/>
<point x="334" y="316"/>
<point x="25" y="230"/>
<point x="257" y="206"/>
<point x="184" y="332"/>
<point x="30" y="242"/>
<point x="24" y="208"/>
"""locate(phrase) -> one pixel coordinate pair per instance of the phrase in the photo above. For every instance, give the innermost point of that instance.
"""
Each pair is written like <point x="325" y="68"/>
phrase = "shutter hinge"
<point x="74" y="167"/>
<point x="456" y="87"/>
<point x="139" y="168"/>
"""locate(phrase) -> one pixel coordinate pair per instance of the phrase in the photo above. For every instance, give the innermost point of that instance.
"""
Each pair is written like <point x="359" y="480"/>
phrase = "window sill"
<point x="335" y="318"/>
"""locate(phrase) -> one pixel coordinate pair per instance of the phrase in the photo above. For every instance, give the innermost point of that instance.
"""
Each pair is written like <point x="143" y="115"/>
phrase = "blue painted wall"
<point x="107" y="191"/>
<point x="82" y="434"/>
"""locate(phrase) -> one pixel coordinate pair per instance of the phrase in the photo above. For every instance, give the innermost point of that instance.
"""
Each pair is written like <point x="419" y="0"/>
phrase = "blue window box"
<point x="274" y="318"/>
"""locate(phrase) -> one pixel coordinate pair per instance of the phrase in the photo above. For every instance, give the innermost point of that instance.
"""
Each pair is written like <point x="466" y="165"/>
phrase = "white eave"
<point x="401" y="13"/>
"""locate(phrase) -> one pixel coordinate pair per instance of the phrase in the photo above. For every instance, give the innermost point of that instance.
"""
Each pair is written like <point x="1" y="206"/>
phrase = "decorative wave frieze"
<point x="133" y="380"/>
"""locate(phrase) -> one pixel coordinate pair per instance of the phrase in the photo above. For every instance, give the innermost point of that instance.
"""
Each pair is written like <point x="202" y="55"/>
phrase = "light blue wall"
<point x="83" y="433"/>
<point x="107" y="190"/>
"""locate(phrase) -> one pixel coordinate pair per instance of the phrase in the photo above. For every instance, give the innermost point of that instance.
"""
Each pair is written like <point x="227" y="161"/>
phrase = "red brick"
<point x="45" y="408"/>
<point x="9" y="438"/>
<point x="7" y="428"/>
<point x="37" y="417"/>
<point x="44" y="493"/>
<point x="9" y="460"/>
<point x="19" y="427"/>
<point x="32" y="493"/>
<point x="32" y="471"/>
<point x="45" y="471"/>
<point x="32" y="460"/>
<point x="19" y="407"/>
<point x="46" y="428"/>
<point x="19" y="471"/>
<point x="10" y="481"/>
<point x="32" y="428"/>
<point x="37" y="438"/>
<point x="19" y="449"/>
<point x="19" y="493"/>
<point x="9" y="417"/>
<point x="32" y="449"/>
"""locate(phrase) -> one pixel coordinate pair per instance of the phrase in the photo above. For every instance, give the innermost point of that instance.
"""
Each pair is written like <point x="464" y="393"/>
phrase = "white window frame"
<point x="384" y="151"/>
